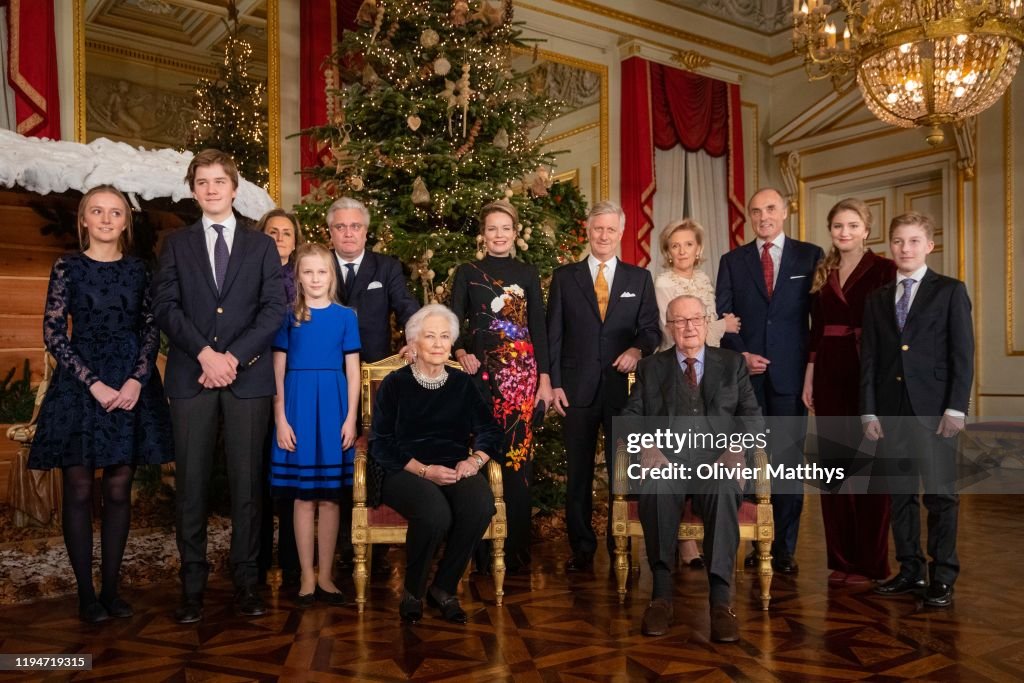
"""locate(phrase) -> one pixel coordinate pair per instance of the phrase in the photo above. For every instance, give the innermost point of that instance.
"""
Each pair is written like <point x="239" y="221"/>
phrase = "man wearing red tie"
<point x="767" y="284"/>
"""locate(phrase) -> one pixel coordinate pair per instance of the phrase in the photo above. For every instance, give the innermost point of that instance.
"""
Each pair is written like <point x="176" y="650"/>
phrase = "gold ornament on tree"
<point x="420" y="195"/>
<point x="460" y="13"/>
<point x="501" y="139"/>
<point x="458" y="93"/>
<point x="367" y="13"/>
<point x="442" y="66"/>
<point x="429" y="38"/>
<point x="414" y="122"/>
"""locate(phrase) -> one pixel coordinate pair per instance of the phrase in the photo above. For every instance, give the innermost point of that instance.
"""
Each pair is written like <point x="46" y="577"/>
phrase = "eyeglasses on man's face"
<point x="683" y="322"/>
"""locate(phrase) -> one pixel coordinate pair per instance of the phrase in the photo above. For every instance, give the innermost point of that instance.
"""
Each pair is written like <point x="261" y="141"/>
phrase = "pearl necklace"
<point x="429" y="382"/>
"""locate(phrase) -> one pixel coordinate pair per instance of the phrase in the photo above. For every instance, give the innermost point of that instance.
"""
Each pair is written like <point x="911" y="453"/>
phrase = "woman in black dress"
<point x="505" y="349"/>
<point x="105" y="408"/>
<point x="284" y="228"/>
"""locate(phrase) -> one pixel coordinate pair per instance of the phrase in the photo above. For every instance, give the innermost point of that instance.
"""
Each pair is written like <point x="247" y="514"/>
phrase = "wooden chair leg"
<point x="360" y="573"/>
<point x="622" y="565"/>
<point x="765" y="572"/>
<point x="498" y="569"/>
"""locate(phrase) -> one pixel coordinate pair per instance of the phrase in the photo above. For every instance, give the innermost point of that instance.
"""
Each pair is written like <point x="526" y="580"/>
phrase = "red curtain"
<point x="321" y="23"/>
<point x="663" y="107"/>
<point x="32" y="67"/>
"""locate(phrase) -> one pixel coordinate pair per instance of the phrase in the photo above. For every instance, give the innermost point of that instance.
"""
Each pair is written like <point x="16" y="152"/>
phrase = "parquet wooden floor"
<point x="555" y="627"/>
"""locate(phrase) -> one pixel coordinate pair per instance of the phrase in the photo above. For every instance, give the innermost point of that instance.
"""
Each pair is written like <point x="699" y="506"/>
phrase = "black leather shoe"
<point x="750" y="561"/>
<point x="334" y="599"/>
<point x="938" y="595"/>
<point x="451" y="610"/>
<point x="93" y="613"/>
<point x="305" y="600"/>
<point x="116" y="607"/>
<point x="657" y="618"/>
<point x="724" y="625"/>
<point x="410" y="609"/>
<point x="900" y="585"/>
<point x="580" y="563"/>
<point x="785" y="565"/>
<point x="189" y="612"/>
<point x="249" y="602"/>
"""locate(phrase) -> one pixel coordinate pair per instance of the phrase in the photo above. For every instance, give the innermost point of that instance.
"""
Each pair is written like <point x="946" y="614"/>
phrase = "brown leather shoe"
<point x="657" y="617"/>
<point x="724" y="626"/>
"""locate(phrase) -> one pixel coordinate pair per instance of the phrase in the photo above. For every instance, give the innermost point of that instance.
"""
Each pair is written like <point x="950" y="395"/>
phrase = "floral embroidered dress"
<point x="113" y="339"/>
<point x="501" y="299"/>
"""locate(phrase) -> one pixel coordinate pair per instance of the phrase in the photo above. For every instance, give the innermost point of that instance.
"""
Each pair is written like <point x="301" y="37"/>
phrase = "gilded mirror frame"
<point x="603" y="123"/>
<point x="273" y="88"/>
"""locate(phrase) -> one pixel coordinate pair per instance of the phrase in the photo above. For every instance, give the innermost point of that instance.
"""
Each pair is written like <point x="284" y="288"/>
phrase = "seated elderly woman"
<point x="425" y="417"/>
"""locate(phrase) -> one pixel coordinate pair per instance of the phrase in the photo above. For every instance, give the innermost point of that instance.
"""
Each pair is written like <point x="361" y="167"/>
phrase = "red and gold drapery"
<point x="32" y="67"/>
<point x="663" y="107"/>
<point x="321" y="24"/>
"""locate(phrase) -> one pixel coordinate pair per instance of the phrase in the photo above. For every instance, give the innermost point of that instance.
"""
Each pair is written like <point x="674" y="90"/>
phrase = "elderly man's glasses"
<point x="696" y="323"/>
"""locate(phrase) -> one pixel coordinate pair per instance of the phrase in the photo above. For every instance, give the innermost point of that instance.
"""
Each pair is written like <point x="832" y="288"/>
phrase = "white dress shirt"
<point x="917" y="275"/>
<point x="775" y="252"/>
<point x="609" y="269"/>
<point x="210" y="234"/>
<point x="358" y="261"/>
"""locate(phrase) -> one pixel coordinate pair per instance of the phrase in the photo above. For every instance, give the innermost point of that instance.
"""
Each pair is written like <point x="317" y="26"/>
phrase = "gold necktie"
<point x="601" y="290"/>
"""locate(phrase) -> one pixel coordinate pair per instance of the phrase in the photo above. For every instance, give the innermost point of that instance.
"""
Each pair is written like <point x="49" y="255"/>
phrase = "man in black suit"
<point x="704" y="388"/>
<point x="767" y="284"/>
<point x="373" y="284"/>
<point x="917" y="363"/>
<point x="218" y="296"/>
<point x="602" y="318"/>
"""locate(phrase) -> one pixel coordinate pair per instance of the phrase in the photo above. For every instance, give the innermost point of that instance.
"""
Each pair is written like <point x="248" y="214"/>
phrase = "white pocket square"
<point x="627" y="295"/>
<point x="374" y="285"/>
<point x="796" y="277"/>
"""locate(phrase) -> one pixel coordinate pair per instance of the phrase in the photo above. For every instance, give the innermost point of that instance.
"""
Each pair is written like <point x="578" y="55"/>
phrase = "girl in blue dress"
<point x="316" y="363"/>
<point x="105" y="408"/>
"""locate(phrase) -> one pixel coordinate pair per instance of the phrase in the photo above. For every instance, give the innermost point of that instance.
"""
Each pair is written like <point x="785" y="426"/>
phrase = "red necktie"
<point x="768" y="267"/>
<point x="691" y="371"/>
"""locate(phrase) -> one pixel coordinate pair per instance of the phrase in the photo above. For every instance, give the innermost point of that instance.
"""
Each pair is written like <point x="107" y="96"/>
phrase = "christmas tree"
<point x="429" y="124"/>
<point x="231" y="113"/>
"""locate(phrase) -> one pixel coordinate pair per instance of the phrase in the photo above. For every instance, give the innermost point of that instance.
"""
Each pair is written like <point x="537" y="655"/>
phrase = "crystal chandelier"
<point x="917" y="62"/>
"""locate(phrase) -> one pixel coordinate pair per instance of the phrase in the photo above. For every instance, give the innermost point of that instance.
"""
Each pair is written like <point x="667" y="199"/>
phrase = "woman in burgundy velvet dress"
<point x="856" y="525"/>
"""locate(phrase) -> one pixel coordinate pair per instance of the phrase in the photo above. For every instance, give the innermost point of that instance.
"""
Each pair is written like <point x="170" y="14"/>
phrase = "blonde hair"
<point x="831" y="260"/>
<point x="124" y="242"/>
<point x="500" y="206"/>
<point x="678" y="226"/>
<point x="914" y="218"/>
<point x="301" y="308"/>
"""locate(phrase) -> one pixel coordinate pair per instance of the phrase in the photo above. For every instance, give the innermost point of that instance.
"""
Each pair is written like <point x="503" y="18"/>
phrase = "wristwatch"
<point x="479" y="461"/>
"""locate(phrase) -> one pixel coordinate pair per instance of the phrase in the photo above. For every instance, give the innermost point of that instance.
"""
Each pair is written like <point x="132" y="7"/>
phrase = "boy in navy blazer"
<point x="218" y="296"/>
<point x="767" y="284"/>
<point x="917" y="363"/>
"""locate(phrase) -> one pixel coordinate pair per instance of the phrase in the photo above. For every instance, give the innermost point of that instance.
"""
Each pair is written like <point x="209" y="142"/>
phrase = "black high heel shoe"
<point x="93" y="613"/>
<point x="451" y="610"/>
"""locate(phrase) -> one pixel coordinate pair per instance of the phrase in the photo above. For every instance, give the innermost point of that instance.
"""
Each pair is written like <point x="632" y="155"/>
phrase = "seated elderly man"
<point x="424" y="417"/>
<point x="703" y="388"/>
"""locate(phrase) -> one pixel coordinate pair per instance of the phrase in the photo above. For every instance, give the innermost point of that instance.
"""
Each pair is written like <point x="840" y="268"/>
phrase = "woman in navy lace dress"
<point x="105" y="408"/>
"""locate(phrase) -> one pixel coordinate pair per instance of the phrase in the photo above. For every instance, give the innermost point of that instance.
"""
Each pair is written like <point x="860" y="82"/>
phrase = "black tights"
<point x="77" y="519"/>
